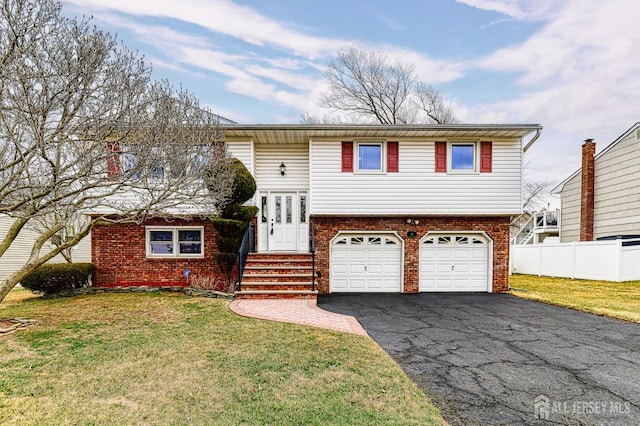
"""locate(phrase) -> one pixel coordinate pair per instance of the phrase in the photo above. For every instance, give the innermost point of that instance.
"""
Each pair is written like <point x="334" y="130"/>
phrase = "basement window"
<point x="177" y="241"/>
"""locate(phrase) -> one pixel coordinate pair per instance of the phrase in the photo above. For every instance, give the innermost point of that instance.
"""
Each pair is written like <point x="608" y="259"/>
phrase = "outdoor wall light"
<point x="413" y="221"/>
<point x="283" y="168"/>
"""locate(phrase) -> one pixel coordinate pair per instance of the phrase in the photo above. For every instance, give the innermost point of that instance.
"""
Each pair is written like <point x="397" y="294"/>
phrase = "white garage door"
<point x="366" y="263"/>
<point x="454" y="263"/>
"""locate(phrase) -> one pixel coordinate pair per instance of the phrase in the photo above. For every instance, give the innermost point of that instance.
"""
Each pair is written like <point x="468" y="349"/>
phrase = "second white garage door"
<point x="454" y="263"/>
<point x="366" y="263"/>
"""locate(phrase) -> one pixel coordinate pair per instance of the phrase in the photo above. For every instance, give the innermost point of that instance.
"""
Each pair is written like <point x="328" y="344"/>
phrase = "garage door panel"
<point x="428" y="253"/>
<point x="356" y="268"/>
<point x="462" y="254"/>
<point x="391" y="268"/>
<point x="358" y="254"/>
<point x="366" y="263"/>
<point x="479" y="253"/>
<point x="376" y="268"/>
<point x="339" y="284"/>
<point x="339" y="268"/>
<point x="454" y="263"/>
<point x="444" y="253"/>
<point x="392" y="254"/>
<point x="375" y="254"/>
<point x="340" y="254"/>
<point x="356" y="283"/>
<point x="374" y="284"/>
<point x="461" y="268"/>
<point x="479" y="268"/>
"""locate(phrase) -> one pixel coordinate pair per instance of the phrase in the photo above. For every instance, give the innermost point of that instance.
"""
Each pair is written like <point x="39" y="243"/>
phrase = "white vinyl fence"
<point x="614" y="260"/>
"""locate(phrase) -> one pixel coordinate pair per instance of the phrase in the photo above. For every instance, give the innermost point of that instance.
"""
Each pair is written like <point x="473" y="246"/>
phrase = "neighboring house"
<point x="601" y="200"/>
<point x="20" y="250"/>
<point x="534" y="228"/>
<point x="388" y="208"/>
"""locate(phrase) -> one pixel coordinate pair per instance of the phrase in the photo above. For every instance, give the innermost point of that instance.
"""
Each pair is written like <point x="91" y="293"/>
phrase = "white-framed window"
<point x="462" y="156"/>
<point x="370" y="156"/>
<point x="175" y="241"/>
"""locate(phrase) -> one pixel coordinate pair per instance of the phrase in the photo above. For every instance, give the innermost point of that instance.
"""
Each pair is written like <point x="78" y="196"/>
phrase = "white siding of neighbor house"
<point x="416" y="188"/>
<point x="20" y="249"/>
<point x="617" y="194"/>
<point x="268" y="160"/>
<point x="617" y="190"/>
<point x="570" y="208"/>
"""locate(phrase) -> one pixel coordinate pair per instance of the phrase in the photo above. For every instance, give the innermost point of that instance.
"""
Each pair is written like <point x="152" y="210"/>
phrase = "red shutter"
<point x="486" y="154"/>
<point x="441" y="156"/>
<point x="113" y="160"/>
<point x="392" y="157"/>
<point x="347" y="156"/>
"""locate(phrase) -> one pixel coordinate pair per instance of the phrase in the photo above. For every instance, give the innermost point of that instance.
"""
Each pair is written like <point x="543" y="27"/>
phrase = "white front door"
<point x="283" y="221"/>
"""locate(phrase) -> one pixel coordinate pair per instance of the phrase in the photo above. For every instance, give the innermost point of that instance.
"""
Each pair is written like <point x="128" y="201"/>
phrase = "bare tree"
<point x="430" y="102"/>
<point x="87" y="138"/>
<point x="366" y="84"/>
<point x="534" y="191"/>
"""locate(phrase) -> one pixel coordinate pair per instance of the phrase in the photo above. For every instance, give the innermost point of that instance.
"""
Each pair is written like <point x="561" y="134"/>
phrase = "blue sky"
<point x="571" y="65"/>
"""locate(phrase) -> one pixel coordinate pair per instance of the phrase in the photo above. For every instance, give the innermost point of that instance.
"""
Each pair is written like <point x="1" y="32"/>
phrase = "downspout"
<point x="533" y="139"/>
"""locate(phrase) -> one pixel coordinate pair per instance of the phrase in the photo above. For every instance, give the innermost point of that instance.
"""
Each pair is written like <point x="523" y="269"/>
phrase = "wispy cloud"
<point x="518" y="9"/>
<point x="226" y="17"/>
<point x="578" y="75"/>
<point x="280" y="63"/>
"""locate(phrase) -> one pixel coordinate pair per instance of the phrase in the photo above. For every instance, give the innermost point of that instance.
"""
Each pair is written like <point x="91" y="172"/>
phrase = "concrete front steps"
<point x="277" y="276"/>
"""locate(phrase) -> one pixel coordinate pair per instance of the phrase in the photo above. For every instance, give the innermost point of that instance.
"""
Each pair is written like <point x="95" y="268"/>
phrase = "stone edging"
<point x="140" y="289"/>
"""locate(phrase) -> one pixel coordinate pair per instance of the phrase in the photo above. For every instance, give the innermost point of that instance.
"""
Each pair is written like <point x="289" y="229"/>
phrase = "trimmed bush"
<point x="229" y="244"/>
<point x="244" y="183"/>
<point x="241" y="213"/>
<point x="228" y="227"/>
<point x="226" y="262"/>
<point x="235" y="218"/>
<point x="55" y="277"/>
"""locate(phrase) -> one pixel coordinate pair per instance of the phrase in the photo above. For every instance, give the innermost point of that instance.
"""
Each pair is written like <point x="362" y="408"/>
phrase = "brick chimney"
<point x="587" y="190"/>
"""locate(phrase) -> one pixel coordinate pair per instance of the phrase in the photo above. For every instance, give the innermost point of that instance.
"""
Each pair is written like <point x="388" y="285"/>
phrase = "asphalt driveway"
<point x="497" y="359"/>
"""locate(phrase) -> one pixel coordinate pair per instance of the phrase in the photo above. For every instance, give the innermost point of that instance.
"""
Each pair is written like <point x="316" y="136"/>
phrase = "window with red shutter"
<point x="392" y="157"/>
<point x="113" y="160"/>
<point x="486" y="157"/>
<point x="347" y="156"/>
<point x="441" y="156"/>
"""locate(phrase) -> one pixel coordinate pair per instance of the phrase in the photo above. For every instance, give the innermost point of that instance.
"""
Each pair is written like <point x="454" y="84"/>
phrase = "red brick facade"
<point x="587" y="190"/>
<point x="497" y="228"/>
<point x="119" y="255"/>
<point x="119" y="251"/>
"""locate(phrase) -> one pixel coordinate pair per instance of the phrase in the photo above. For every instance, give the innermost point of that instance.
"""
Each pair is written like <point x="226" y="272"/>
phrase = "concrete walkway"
<point x="296" y="311"/>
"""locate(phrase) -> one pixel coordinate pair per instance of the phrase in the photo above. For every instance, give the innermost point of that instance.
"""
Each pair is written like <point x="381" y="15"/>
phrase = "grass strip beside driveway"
<point x="159" y="358"/>
<point x="616" y="300"/>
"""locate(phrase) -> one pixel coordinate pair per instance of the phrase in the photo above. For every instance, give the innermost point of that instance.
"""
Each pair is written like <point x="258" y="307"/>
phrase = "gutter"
<point x="533" y="139"/>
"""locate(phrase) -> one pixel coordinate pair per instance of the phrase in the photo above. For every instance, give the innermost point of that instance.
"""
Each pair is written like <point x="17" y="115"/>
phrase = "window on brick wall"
<point x="177" y="241"/>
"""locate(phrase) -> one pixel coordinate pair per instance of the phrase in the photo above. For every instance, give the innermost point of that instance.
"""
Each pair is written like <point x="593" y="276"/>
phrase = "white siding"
<point x="244" y="151"/>
<point x="268" y="160"/>
<point x="617" y="194"/>
<point x="570" y="208"/>
<point x="20" y="249"/>
<point x="416" y="188"/>
<point x="617" y="190"/>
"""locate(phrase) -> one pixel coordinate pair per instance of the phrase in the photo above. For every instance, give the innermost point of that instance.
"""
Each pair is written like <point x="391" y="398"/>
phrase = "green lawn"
<point x="617" y="300"/>
<point x="159" y="358"/>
